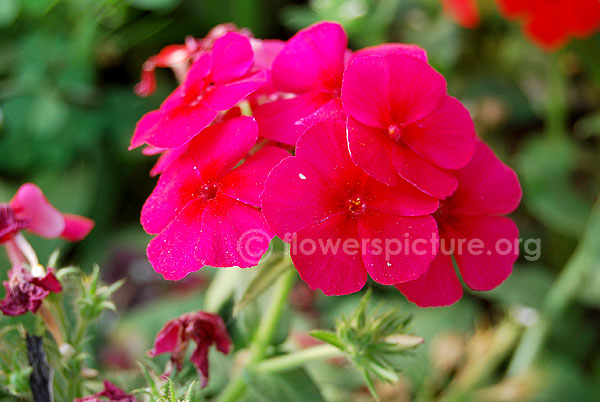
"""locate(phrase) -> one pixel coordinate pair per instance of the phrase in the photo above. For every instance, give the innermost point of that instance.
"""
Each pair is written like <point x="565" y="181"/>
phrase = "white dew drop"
<point x="302" y="176"/>
<point x="389" y="264"/>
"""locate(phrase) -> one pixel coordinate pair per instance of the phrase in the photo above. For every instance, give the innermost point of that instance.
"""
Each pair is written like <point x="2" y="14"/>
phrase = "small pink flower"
<point x="402" y="124"/>
<point x="200" y="207"/>
<point x="487" y="190"/>
<point x="111" y="393"/>
<point x="216" y="81"/>
<point x="24" y="292"/>
<point x="321" y="197"/>
<point x="205" y="329"/>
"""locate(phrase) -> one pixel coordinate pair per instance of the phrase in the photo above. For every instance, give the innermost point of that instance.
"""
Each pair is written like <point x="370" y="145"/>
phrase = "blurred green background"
<point x="67" y="111"/>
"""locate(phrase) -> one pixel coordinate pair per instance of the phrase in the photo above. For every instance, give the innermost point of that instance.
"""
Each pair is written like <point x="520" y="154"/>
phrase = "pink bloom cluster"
<point x="29" y="282"/>
<point x="380" y="152"/>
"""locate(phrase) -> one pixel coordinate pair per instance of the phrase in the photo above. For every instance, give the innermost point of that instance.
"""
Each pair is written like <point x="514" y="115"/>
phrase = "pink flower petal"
<point x="325" y="148"/>
<point x="172" y="252"/>
<point x="44" y="220"/>
<point x="178" y="126"/>
<point x="265" y="52"/>
<point x="487" y="186"/>
<point x="371" y="149"/>
<point x="323" y="262"/>
<point x="415" y="88"/>
<point x="330" y="112"/>
<point x="247" y="182"/>
<point x="168" y="156"/>
<point x="232" y="57"/>
<point x="144" y="126"/>
<point x="486" y="267"/>
<point x="313" y="59"/>
<point x="196" y="77"/>
<point x="439" y="286"/>
<point x="296" y="195"/>
<point x="402" y="199"/>
<point x="279" y="120"/>
<point x="167" y="339"/>
<point x="177" y="187"/>
<point x="76" y="227"/>
<point x="226" y="96"/>
<point x="422" y="173"/>
<point x="233" y="234"/>
<point x="399" y="249"/>
<point x="365" y="91"/>
<point x="222" y="146"/>
<point x="387" y="48"/>
<point x="446" y="137"/>
<point x="314" y="184"/>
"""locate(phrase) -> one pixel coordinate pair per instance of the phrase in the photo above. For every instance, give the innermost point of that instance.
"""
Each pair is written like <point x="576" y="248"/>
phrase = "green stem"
<point x="296" y="359"/>
<point x="264" y="335"/>
<point x="560" y="295"/>
<point x="556" y="103"/>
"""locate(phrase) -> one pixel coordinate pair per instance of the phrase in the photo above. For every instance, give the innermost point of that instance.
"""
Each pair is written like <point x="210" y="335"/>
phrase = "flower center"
<point x="208" y="191"/>
<point x="356" y="206"/>
<point x="9" y="223"/>
<point x="395" y="131"/>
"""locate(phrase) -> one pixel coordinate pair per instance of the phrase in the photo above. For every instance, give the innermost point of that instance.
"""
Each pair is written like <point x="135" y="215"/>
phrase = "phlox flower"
<point x="550" y="23"/>
<point x="110" y="393"/>
<point x="321" y="197"/>
<point x="403" y="125"/>
<point x="311" y="66"/>
<point x="487" y="190"/>
<point x="205" y="329"/>
<point x="202" y="205"/>
<point x="216" y="81"/>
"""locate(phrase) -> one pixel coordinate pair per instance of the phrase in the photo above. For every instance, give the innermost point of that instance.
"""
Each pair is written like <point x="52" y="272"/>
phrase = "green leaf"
<point x="154" y="4"/>
<point x="327" y="336"/>
<point x="264" y="279"/>
<point x="290" y="386"/>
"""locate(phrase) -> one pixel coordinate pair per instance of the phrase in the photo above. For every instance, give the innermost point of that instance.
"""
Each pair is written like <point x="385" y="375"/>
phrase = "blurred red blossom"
<point x="110" y="393"/>
<point x="205" y="329"/>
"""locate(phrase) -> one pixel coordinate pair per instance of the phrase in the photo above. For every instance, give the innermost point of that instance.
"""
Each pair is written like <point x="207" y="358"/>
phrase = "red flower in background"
<point x="403" y="125"/>
<point x="487" y="190"/>
<point x="464" y="12"/>
<point x="319" y="196"/>
<point x="200" y="207"/>
<point x="110" y="393"/>
<point x="551" y="23"/>
<point x="205" y="329"/>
